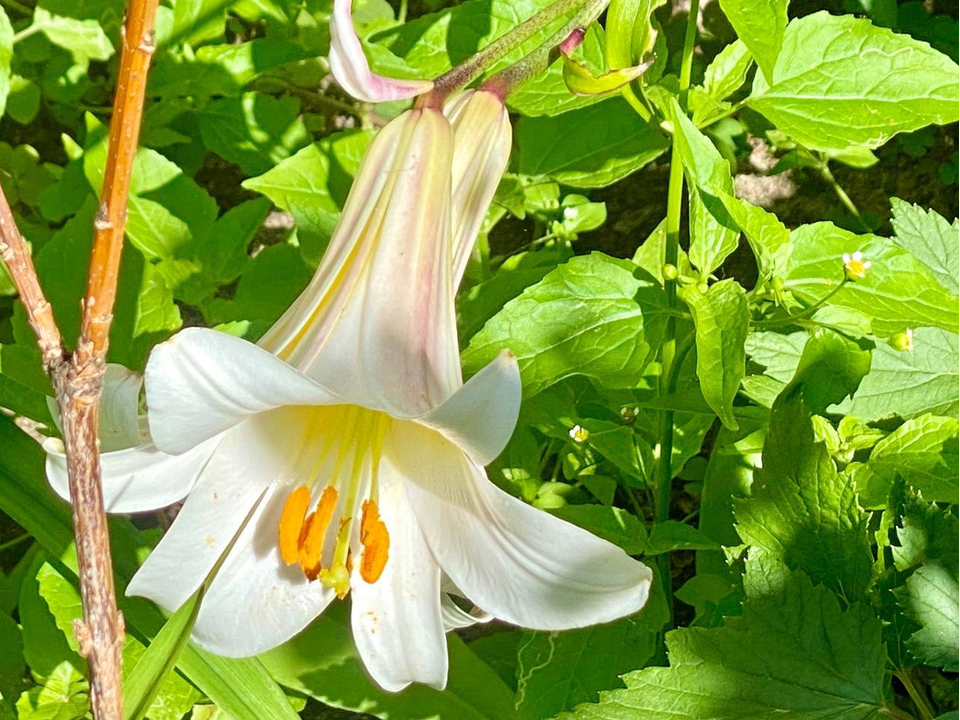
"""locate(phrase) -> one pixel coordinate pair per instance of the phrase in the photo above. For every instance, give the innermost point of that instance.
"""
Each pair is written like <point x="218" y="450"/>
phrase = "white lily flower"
<point x="344" y="453"/>
<point x="352" y="71"/>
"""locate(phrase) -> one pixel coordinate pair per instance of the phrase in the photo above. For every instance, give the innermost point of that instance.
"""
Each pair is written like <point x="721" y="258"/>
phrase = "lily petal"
<point x="201" y="382"/>
<point x="352" y="71"/>
<point x="397" y="624"/>
<point x="480" y="416"/>
<point x="256" y="601"/>
<point x="516" y="562"/>
<point x="483" y="133"/>
<point x="119" y="426"/>
<point x="456" y="618"/>
<point x="377" y="323"/>
<point x="243" y="466"/>
<point x="137" y="479"/>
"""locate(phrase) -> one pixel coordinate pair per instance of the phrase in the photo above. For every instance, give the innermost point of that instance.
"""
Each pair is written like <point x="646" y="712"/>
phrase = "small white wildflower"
<point x="855" y="266"/>
<point x="570" y="213"/>
<point x="579" y="434"/>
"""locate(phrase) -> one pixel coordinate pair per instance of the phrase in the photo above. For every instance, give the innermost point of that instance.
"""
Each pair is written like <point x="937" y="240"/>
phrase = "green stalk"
<point x="536" y="63"/>
<point x="923" y="707"/>
<point x="471" y="68"/>
<point x="842" y="194"/>
<point x="669" y="358"/>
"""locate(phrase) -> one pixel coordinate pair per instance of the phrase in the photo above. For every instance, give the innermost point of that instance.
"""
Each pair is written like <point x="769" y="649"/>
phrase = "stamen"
<point x="314" y="529"/>
<point x="291" y="523"/>
<point x="376" y="543"/>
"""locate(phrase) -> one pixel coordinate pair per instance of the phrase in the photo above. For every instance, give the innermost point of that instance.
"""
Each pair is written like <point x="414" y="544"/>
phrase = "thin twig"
<point x="77" y="377"/>
<point x="16" y="255"/>
<point x="138" y="47"/>
<point x="78" y="390"/>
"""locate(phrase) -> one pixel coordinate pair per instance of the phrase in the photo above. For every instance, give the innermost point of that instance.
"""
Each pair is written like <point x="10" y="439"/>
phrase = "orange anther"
<point x="291" y="522"/>
<point x="310" y="546"/>
<point x="376" y="543"/>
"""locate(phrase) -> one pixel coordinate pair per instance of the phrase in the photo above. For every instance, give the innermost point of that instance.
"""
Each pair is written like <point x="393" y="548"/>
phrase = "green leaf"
<point x="713" y="233"/>
<point x="910" y="382"/>
<point x="722" y="319"/>
<point x="931" y="239"/>
<point x="24" y="387"/>
<point x="143" y="683"/>
<point x="6" y="55"/>
<point x="482" y="301"/>
<point x="84" y="37"/>
<point x="313" y="185"/>
<point x="222" y="253"/>
<point x="618" y="526"/>
<point x="628" y="31"/>
<point x="336" y="677"/>
<point x="760" y="25"/>
<point x="922" y="451"/>
<point x="556" y="671"/>
<point x="144" y="312"/>
<point x="591" y="147"/>
<point x="808" y="659"/>
<point x="932" y="600"/>
<point x="197" y="20"/>
<point x="911" y="296"/>
<point x="927" y="535"/>
<point x="619" y="444"/>
<point x="671" y="535"/>
<point x="768" y="237"/>
<point x="840" y="81"/>
<point x="593" y="316"/>
<point x="728" y="70"/>
<point x="167" y="210"/>
<point x="12" y="665"/>
<point x="63" y="696"/>
<point x="830" y="368"/>
<point x="256" y="131"/>
<point x="46" y="645"/>
<point x="23" y="102"/>
<point x="801" y="510"/>
<point x="219" y="69"/>
<point x="271" y="282"/>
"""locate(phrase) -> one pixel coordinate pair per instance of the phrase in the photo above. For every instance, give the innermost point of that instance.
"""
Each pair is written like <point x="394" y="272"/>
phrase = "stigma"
<point x="343" y="444"/>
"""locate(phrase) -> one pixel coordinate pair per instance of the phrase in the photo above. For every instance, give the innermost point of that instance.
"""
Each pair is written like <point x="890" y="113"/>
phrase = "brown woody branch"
<point x="16" y="255"/>
<point x="77" y="377"/>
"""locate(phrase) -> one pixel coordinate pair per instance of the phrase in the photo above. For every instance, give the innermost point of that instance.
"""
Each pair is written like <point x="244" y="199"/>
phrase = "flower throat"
<point x="338" y="459"/>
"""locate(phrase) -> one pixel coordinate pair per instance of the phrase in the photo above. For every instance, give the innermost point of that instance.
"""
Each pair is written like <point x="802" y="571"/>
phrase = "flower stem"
<point x="534" y="64"/>
<point x="923" y="707"/>
<point x="670" y="359"/>
<point x="791" y="319"/>
<point x="842" y="194"/>
<point x="470" y="69"/>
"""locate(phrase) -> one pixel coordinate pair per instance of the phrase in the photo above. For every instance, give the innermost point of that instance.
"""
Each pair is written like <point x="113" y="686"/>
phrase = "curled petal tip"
<point x="352" y="71"/>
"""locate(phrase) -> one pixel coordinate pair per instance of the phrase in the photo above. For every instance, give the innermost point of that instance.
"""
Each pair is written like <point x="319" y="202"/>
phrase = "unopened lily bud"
<point x="483" y="136"/>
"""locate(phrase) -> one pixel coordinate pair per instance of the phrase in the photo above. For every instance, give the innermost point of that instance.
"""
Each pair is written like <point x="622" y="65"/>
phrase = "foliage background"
<point x="823" y="584"/>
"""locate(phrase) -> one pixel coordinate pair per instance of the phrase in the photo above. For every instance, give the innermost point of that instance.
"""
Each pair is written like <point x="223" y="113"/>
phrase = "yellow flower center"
<point x="339" y="451"/>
